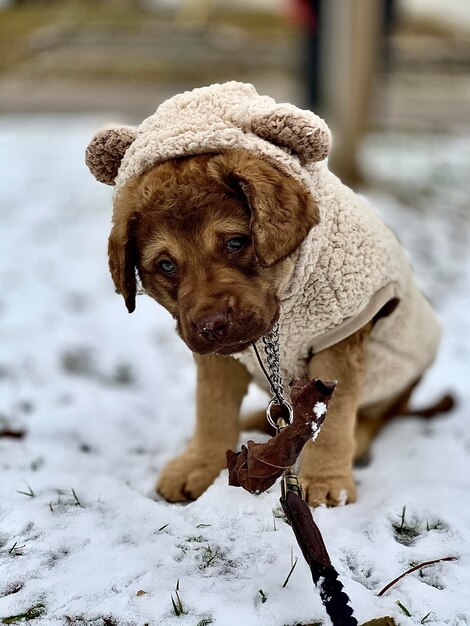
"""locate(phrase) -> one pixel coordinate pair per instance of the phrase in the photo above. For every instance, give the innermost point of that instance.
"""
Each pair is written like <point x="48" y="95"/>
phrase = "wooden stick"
<point x="413" y="569"/>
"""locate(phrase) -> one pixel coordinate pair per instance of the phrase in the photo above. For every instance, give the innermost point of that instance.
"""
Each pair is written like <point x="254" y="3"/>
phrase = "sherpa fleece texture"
<point x="347" y="268"/>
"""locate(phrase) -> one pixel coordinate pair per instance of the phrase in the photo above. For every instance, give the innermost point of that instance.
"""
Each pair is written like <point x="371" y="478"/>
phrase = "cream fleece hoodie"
<point x="345" y="271"/>
<point x="347" y="268"/>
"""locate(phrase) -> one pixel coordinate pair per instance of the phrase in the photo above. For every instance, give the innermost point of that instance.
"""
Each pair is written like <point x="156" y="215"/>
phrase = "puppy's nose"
<point x="213" y="326"/>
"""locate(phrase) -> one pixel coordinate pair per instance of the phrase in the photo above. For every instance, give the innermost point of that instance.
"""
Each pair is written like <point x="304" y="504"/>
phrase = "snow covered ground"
<point x="105" y="399"/>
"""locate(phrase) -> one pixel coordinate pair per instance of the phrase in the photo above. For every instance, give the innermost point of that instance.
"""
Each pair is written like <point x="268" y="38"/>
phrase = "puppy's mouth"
<point x="234" y="343"/>
<point x="240" y="346"/>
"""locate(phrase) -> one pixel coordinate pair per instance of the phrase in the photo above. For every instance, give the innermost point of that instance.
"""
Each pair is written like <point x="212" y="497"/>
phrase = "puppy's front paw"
<point x="332" y="491"/>
<point x="188" y="476"/>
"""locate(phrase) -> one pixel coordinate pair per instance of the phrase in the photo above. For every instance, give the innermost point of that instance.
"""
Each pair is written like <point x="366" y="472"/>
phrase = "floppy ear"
<point x="105" y="151"/>
<point x="123" y="260"/>
<point x="303" y="132"/>
<point x="282" y="212"/>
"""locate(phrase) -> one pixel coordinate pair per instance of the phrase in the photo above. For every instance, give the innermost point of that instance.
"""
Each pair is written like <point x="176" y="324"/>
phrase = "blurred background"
<point x="366" y="65"/>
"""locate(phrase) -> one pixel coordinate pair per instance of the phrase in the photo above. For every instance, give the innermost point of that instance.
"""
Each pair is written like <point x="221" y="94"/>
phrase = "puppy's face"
<point x="197" y="260"/>
<point x="203" y="235"/>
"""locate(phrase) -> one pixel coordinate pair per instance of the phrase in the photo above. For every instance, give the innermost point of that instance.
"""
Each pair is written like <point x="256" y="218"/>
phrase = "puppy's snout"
<point x="213" y="326"/>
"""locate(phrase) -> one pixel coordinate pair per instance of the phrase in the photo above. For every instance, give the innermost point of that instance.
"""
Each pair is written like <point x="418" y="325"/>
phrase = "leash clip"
<point x="280" y="422"/>
<point x="290" y="482"/>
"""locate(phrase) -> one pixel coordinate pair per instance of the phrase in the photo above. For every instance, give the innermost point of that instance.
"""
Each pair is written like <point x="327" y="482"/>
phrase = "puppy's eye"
<point x="167" y="266"/>
<point x="234" y="244"/>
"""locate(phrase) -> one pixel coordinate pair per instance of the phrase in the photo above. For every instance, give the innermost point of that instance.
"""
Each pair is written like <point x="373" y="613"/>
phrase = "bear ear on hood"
<point x="303" y="132"/>
<point x="105" y="151"/>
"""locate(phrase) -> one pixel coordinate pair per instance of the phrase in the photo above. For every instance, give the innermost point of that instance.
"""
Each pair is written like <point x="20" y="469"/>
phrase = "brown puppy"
<point x="208" y="247"/>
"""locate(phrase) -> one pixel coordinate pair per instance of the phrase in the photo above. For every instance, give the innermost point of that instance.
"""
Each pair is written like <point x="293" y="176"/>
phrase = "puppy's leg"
<point x="326" y="464"/>
<point x="221" y="384"/>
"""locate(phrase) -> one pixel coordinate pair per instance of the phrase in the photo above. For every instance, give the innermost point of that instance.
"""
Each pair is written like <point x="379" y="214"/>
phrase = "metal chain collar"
<point x="271" y="350"/>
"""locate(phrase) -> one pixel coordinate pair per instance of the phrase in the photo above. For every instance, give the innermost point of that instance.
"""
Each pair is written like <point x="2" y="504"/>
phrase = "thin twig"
<point x="13" y="434"/>
<point x="413" y="569"/>
<point x="77" y="501"/>
<point x="404" y="609"/>
<point x="290" y="573"/>
<point x="29" y="493"/>
<point x="264" y="597"/>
